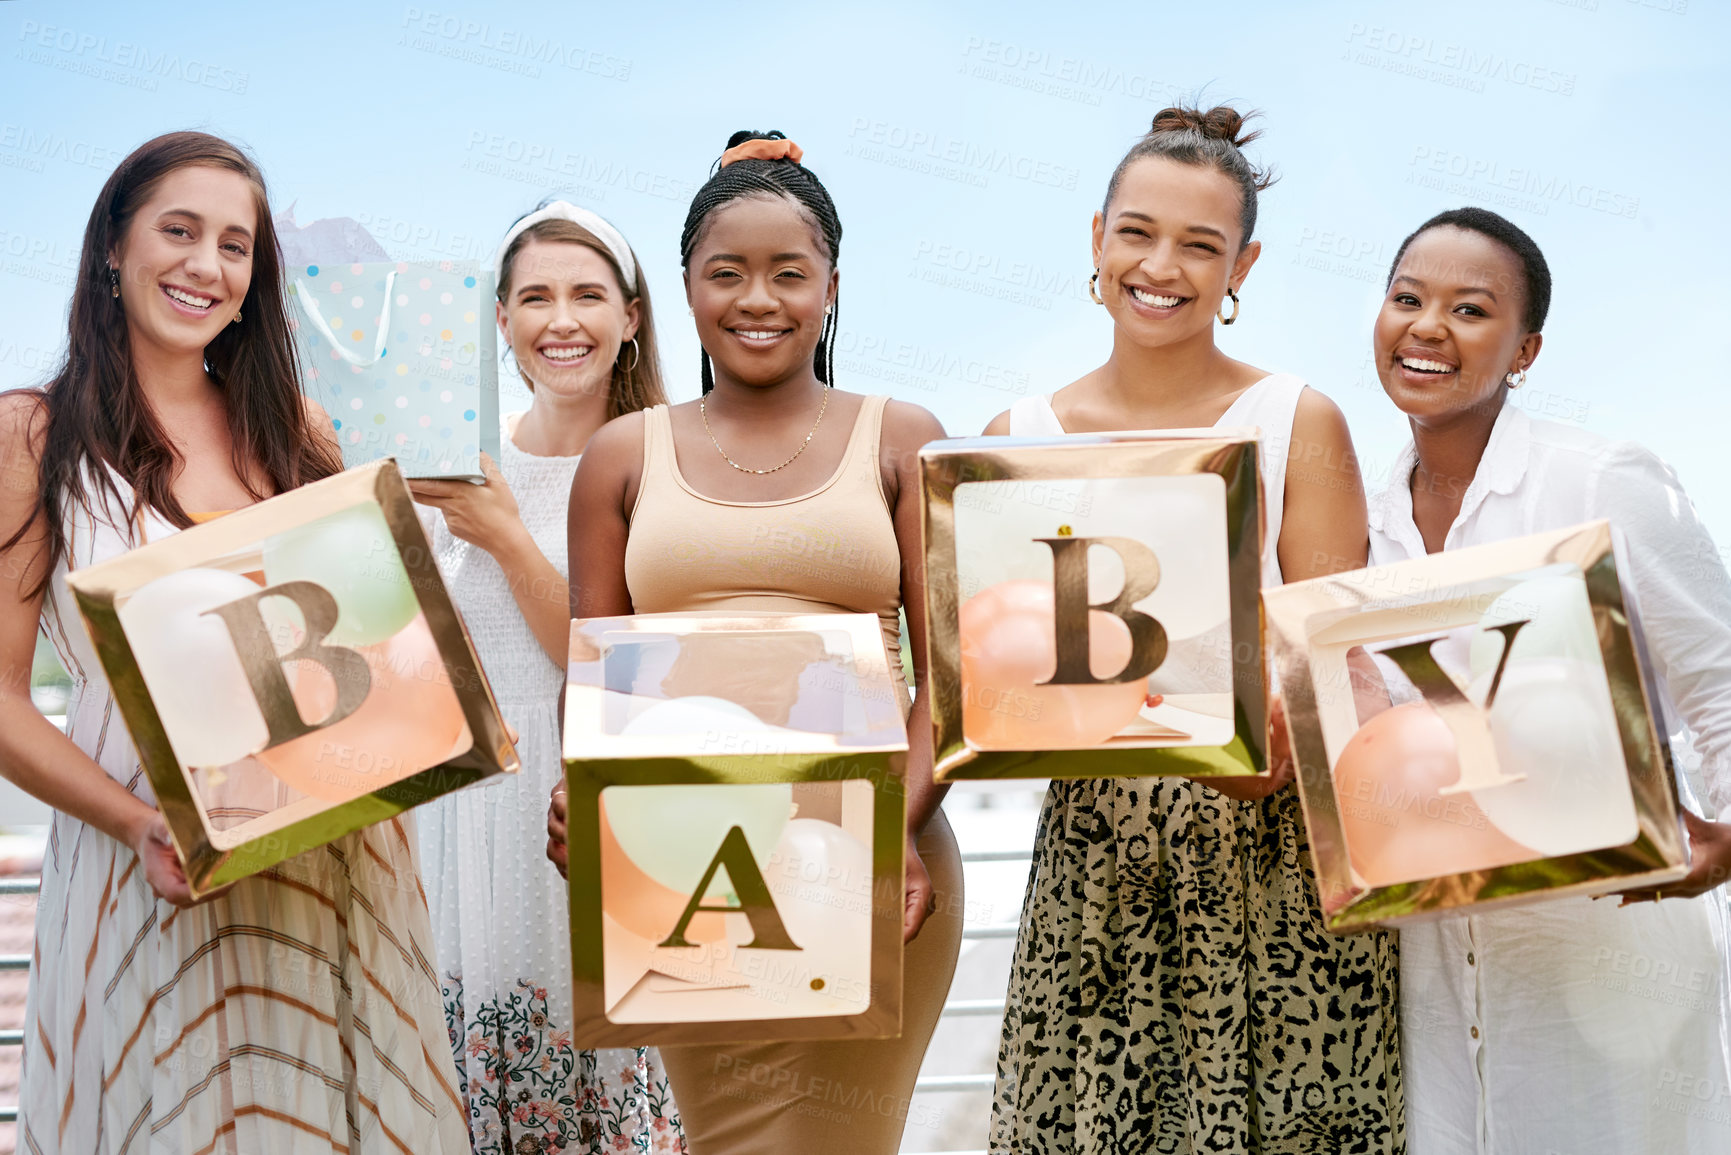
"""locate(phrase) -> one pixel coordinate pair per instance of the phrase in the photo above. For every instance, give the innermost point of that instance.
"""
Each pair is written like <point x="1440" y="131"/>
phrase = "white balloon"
<point x="1553" y="721"/>
<point x="1559" y="623"/>
<point x="190" y="666"/>
<point x="821" y="879"/>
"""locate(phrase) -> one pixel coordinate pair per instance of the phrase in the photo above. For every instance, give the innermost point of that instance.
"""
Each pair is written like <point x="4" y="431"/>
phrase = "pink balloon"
<point x="409" y="721"/>
<point x="1399" y="826"/>
<point x="1009" y="646"/>
<point x="643" y="906"/>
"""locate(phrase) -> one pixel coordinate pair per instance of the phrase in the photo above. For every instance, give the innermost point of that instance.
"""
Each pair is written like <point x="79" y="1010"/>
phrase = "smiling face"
<point x="1452" y="325"/>
<point x="185" y="261"/>
<point x="1168" y="247"/>
<point x="566" y="317"/>
<point x="759" y="281"/>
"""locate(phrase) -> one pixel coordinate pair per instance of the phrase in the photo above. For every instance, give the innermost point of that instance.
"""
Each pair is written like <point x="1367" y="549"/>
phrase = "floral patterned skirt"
<point x="1174" y="990"/>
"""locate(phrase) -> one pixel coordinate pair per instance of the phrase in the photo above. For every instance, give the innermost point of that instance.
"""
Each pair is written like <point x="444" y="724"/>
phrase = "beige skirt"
<point x="829" y="1097"/>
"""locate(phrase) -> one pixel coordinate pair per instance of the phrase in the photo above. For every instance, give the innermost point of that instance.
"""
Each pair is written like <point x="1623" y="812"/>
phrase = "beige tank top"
<point x="832" y="550"/>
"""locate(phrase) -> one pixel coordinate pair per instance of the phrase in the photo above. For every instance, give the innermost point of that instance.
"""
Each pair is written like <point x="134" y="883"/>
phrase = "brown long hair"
<point x="636" y="381"/>
<point x="94" y="410"/>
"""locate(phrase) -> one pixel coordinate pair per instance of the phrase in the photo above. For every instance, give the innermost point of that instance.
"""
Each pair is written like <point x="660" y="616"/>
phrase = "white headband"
<point x="566" y="211"/>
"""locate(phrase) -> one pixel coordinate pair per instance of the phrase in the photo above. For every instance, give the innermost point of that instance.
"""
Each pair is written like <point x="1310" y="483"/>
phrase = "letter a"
<point x="755" y="902"/>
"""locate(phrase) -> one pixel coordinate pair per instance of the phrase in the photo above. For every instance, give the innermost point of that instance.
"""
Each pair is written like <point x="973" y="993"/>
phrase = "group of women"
<point x="1173" y="989"/>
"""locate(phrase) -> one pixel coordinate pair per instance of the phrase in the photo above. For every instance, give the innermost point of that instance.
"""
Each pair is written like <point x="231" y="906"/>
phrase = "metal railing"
<point x="929" y="1084"/>
<point x="15" y="962"/>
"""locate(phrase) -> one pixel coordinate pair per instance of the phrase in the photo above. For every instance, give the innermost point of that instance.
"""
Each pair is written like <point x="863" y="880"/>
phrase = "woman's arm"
<point x="905" y="429"/>
<point x="1324" y="529"/>
<point x="1684" y="597"/>
<point x="598" y="521"/>
<point x="487" y="516"/>
<point x="33" y="754"/>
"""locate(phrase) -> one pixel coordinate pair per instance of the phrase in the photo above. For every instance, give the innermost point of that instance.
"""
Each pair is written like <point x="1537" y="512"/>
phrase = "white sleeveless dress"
<point x="298" y="1012"/>
<point x="1173" y="988"/>
<point x="500" y="908"/>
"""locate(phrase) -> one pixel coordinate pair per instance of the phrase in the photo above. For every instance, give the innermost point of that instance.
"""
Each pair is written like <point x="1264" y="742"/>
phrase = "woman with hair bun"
<point x="1173" y="988"/>
<point x="294" y="1010"/>
<point x="1574" y="1025"/>
<point x="574" y="311"/>
<point x="776" y="492"/>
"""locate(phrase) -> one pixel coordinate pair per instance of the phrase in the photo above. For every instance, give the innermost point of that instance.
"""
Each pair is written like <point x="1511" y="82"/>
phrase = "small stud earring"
<point x="236" y="320"/>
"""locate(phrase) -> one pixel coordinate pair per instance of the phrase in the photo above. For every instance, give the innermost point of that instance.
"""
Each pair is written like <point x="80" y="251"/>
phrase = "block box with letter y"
<point x="1477" y="729"/>
<point x="735" y="828"/>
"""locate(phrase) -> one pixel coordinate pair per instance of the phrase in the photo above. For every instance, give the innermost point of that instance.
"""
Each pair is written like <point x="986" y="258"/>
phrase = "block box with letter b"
<point x="1476" y="729"/>
<point x="292" y="672"/>
<point x="1091" y="598"/>
<point x="735" y="828"/>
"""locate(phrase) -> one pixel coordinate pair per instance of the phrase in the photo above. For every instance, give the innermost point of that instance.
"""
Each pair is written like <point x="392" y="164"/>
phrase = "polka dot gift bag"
<point x="402" y="356"/>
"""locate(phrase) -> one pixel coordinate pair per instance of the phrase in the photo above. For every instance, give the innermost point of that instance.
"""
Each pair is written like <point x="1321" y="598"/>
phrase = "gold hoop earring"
<point x="1234" y="317"/>
<point x="1515" y="380"/>
<point x="636" y="357"/>
<point x="1093" y="291"/>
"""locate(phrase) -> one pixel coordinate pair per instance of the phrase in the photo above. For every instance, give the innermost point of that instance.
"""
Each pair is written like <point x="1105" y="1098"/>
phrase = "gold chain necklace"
<point x="703" y="411"/>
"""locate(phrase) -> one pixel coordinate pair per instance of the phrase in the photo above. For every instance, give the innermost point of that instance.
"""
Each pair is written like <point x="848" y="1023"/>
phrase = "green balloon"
<point x="353" y="555"/>
<point x="1559" y="623"/>
<point x="672" y="833"/>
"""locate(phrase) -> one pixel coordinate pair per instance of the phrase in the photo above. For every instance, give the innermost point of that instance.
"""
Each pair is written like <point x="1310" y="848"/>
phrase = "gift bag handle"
<point x="310" y="306"/>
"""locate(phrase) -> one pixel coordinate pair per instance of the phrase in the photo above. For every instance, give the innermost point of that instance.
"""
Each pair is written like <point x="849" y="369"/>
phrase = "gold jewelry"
<point x="1234" y="317"/>
<point x="1515" y="380"/>
<point x="703" y="411"/>
<point x="236" y="320"/>
<point x="113" y="282"/>
<point x="1093" y="292"/>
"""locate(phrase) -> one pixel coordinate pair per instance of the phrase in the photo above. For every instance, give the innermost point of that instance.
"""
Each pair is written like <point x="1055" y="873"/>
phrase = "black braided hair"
<point x="768" y="178"/>
<point x="1536" y="273"/>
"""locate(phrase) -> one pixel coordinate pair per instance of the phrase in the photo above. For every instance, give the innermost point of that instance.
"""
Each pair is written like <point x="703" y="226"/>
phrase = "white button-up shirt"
<point x="1575" y="1027"/>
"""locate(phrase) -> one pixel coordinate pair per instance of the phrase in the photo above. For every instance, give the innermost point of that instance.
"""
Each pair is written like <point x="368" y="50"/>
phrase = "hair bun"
<point x="746" y="134"/>
<point x="1222" y="122"/>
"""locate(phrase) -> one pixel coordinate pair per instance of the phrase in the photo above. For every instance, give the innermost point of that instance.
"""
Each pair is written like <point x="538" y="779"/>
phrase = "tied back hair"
<point x="1536" y="273"/>
<point x="1212" y="139"/>
<point x="635" y="382"/>
<point x="768" y="178"/>
<point x="93" y="411"/>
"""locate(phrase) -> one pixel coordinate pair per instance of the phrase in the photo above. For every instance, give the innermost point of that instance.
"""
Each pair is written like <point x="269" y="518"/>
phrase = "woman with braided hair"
<point x="775" y="492"/>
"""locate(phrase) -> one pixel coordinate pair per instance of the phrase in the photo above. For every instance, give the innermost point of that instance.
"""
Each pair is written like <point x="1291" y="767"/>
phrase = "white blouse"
<point x="1576" y="1026"/>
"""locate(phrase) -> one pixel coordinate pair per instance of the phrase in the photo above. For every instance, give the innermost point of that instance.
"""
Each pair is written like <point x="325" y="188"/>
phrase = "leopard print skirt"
<point x="1174" y="990"/>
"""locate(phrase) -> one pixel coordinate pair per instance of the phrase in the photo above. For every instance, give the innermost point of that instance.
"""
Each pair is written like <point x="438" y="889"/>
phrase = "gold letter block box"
<point x="1092" y="598"/>
<point x="292" y="672"/>
<point x="735" y="828"/>
<point x="1476" y="729"/>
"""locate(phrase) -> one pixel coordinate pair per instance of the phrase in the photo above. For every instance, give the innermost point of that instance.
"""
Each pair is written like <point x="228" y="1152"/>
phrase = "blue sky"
<point x="966" y="149"/>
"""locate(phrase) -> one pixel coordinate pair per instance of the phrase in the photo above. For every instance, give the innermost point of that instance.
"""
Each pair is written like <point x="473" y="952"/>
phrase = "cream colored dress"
<point x="297" y="1013"/>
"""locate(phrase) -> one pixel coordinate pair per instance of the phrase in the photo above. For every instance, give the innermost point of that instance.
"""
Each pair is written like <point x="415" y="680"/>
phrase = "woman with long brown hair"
<point x="575" y="313"/>
<point x="296" y="1009"/>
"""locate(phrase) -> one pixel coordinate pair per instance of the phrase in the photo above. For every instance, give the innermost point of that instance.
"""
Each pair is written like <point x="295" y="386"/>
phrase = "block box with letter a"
<point x="735" y="812"/>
